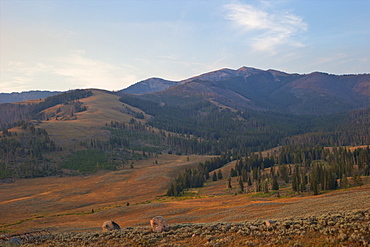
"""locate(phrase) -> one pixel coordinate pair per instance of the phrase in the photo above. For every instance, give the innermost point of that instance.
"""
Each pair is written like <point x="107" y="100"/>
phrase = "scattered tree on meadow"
<point x="241" y="185"/>
<point x="229" y="186"/>
<point x="275" y="184"/>
<point x="214" y="177"/>
<point x="219" y="174"/>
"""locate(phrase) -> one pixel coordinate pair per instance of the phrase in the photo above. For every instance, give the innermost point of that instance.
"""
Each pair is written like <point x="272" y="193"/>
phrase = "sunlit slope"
<point x="102" y="107"/>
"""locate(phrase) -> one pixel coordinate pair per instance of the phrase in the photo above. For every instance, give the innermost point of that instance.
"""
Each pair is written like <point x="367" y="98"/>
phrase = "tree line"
<point x="194" y="178"/>
<point x="307" y="169"/>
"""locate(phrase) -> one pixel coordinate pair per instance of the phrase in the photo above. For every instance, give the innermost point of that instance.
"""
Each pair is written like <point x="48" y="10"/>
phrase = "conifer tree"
<point x="314" y="180"/>
<point x="229" y="186"/>
<point x="344" y="181"/>
<point x="244" y="175"/>
<point x="233" y="172"/>
<point x="249" y="181"/>
<point x="295" y="180"/>
<point x="241" y="185"/>
<point x="265" y="187"/>
<point x="219" y="174"/>
<point x="275" y="184"/>
<point x="214" y="177"/>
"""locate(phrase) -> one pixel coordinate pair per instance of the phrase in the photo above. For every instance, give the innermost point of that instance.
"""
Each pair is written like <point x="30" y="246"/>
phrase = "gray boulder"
<point x="110" y="226"/>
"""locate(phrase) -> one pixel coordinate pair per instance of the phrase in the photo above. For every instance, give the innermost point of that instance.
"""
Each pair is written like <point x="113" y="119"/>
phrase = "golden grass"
<point x="85" y="202"/>
<point x="41" y="199"/>
<point x="102" y="107"/>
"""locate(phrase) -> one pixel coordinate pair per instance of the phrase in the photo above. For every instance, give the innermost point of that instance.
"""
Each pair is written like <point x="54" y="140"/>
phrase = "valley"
<point x="225" y="146"/>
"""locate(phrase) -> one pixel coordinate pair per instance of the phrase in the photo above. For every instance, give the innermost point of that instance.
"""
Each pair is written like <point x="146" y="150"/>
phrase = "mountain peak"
<point x="150" y="85"/>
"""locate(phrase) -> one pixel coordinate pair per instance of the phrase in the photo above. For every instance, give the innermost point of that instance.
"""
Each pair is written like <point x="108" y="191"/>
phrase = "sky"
<point x="112" y="44"/>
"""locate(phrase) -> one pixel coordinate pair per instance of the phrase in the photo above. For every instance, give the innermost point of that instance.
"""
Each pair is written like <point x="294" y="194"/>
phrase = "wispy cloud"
<point x="270" y="28"/>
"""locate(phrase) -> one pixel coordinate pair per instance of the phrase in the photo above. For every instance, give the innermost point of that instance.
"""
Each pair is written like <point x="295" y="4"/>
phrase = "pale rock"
<point x="269" y="223"/>
<point x="159" y="224"/>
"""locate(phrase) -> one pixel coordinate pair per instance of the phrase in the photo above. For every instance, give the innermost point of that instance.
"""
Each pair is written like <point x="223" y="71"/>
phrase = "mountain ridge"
<point x="27" y="95"/>
<point x="316" y="93"/>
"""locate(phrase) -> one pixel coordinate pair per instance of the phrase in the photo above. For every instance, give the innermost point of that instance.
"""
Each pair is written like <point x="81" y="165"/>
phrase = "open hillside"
<point x="62" y="131"/>
<point x="101" y="108"/>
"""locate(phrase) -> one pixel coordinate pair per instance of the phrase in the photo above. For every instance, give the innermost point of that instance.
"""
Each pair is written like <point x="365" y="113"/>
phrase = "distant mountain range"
<point x="15" y="97"/>
<point x="149" y="86"/>
<point x="266" y="90"/>
<point x="309" y="94"/>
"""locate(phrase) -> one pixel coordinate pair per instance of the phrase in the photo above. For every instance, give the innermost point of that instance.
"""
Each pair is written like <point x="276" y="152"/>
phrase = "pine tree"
<point x="206" y="173"/>
<point x="314" y="180"/>
<point x="244" y="175"/>
<point x="265" y="187"/>
<point x="229" y="186"/>
<point x="241" y="185"/>
<point x="249" y="181"/>
<point x="275" y="184"/>
<point x="214" y="177"/>
<point x="171" y="190"/>
<point x="284" y="173"/>
<point x="233" y="173"/>
<point x="344" y="181"/>
<point x="219" y="174"/>
<point x="357" y="180"/>
<point x="295" y="179"/>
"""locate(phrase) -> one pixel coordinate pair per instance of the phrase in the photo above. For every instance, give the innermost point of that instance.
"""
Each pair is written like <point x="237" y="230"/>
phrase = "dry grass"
<point x="61" y="201"/>
<point x="102" y="107"/>
<point x="67" y="202"/>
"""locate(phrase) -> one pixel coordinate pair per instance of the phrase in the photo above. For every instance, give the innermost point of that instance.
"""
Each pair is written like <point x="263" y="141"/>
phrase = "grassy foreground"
<point x="350" y="228"/>
<point x="74" y="208"/>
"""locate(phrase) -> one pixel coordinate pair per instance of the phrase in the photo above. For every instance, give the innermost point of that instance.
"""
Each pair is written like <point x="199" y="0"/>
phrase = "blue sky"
<point x="69" y="44"/>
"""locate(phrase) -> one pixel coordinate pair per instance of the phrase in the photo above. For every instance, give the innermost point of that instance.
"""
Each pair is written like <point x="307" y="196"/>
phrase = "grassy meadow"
<point x="132" y="196"/>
